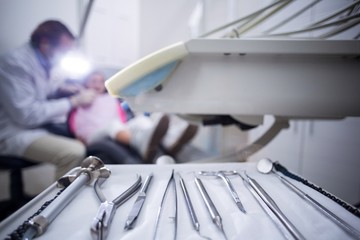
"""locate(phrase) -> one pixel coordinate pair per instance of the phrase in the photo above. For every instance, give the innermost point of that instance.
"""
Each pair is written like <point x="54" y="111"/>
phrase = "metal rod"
<point x="274" y="208"/>
<point x="64" y="198"/>
<point x="189" y="205"/>
<point x="91" y="168"/>
<point x="341" y="223"/>
<point x="266" y="209"/>
<point x="215" y="216"/>
<point x="161" y="207"/>
<point x="97" y="189"/>
<point x="39" y="223"/>
<point x="85" y="19"/>
<point x="280" y="168"/>
<point x="176" y="208"/>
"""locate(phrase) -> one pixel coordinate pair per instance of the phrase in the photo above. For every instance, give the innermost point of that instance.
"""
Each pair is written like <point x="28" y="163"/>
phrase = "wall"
<point x="111" y="37"/>
<point x="19" y="17"/>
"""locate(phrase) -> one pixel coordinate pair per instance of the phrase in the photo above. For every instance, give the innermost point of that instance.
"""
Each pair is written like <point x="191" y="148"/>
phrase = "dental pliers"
<point x="101" y="223"/>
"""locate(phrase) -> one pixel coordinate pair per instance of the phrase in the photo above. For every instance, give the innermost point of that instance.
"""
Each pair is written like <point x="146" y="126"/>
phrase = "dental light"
<point x="75" y="65"/>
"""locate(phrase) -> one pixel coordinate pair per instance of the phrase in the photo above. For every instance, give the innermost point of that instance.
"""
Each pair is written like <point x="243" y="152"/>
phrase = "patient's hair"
<point x="51" y="30"/>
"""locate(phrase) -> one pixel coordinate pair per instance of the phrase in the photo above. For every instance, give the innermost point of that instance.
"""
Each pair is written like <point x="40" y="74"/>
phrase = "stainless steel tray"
<point x="74" y="221"/>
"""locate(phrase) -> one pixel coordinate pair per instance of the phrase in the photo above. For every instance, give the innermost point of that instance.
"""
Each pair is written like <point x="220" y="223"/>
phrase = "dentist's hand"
<point x="70" y="88"/>
<point x="83" y="99"/>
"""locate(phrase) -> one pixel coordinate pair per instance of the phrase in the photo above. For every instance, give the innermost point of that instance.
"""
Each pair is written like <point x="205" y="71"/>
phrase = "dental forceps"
<point x="101" y="223"/>
<point x="229" y="185"/>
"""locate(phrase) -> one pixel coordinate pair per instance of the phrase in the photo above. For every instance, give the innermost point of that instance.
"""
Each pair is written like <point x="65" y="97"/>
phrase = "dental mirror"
<point x="264" y="165"/>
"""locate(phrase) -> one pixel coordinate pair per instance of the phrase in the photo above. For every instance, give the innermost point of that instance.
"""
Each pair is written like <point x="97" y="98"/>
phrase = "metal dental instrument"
<point x="274" y="207"/>
<point x="91" y="169"/>
<point x="190" y="208"/>
<point x="171" y="179"/>
<point x="258" y="198"/>
<point x="281" y="169"/>
<point x="266" y="166"/>
<point x="266" y="209"/>
<point x="139" y="202"/>
<point x="215" y="216"/>
<point x="102" y="222"/>
<point x="229" y="185"/>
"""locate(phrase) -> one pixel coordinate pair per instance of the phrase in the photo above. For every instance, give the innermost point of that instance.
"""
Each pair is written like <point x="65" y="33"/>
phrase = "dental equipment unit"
<point x="246" y="79"/>
<point x="223" y="76"/>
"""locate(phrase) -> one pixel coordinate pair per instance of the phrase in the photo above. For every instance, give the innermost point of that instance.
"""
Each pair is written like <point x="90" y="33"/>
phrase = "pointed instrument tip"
<point x="241" y="207"/>
<point x="127" y="225"/>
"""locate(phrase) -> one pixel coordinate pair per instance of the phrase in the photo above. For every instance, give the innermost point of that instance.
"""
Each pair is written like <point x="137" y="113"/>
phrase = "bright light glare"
<point x="75" y="65"/>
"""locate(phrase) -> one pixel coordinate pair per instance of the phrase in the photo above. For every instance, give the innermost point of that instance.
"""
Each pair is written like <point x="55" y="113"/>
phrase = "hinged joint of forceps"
<point x="106" y="212"/>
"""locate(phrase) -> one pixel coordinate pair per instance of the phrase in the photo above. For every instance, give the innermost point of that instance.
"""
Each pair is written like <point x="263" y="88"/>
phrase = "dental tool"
<point x="171" y="179"/>
<point x="266" y="166"/>
<point x="139" y="202"/>
<point x="215" y="216"/>
<point x="280" y="168"/>
<point x="229" y="185"/>
<point x="274" y="207"/>
<point x="91" y="169"/>
<point x="267" y="210"/>
<point x="101" y="224"/>
<point x="190" y="208"/>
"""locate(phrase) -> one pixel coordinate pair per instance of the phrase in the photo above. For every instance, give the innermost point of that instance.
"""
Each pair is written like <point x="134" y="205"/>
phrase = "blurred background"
<point x="119" y="32"/>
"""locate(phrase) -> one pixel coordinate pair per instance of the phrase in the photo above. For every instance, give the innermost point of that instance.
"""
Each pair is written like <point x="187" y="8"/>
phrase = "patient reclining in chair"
<point x="105" y="118"/>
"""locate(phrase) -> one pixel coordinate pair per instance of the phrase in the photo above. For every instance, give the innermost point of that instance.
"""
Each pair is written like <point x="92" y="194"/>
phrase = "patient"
<point x="106" y="118"/>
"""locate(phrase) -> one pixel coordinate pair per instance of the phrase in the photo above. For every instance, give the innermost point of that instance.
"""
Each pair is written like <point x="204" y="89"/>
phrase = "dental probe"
<point x="274" y="208"/>
<point x="266" y="166"/>
<point x="341" y="223"/>
<point x="190" y="207"/>
<point x="215" y="216"/>
<point x="266" y="209"/>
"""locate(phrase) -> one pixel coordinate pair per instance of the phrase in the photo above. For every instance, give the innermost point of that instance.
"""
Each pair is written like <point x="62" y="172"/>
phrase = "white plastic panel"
<point x="256" y="77"/>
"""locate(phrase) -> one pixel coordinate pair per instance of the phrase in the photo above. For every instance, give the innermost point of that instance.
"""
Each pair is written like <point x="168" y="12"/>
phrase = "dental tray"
<point x="75" y="219"/>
